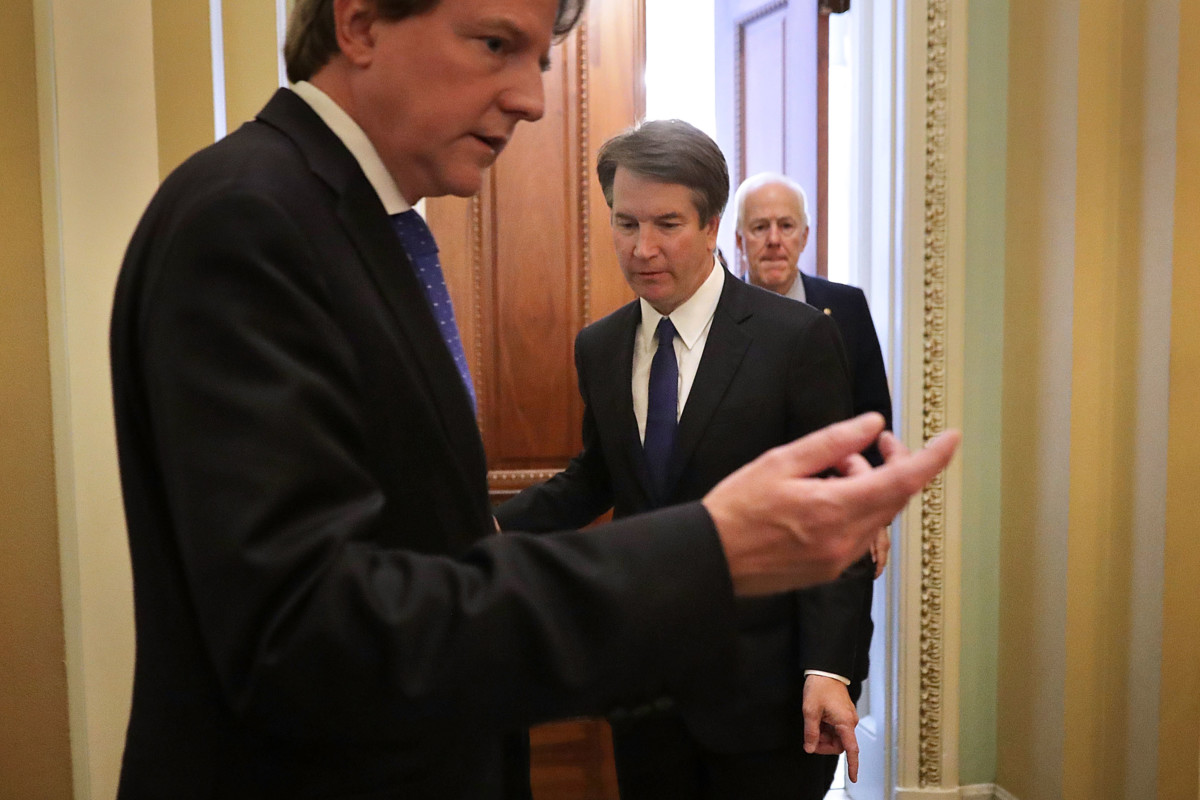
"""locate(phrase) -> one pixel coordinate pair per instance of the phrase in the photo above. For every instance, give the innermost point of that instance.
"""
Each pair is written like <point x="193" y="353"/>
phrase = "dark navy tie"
<point x="423" y="252"/>
<point x="662" y="406"/>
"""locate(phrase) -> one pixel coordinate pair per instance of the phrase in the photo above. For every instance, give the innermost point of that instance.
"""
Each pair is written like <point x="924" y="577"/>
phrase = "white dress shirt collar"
<point x="357" y="143"/>
<point x="692" y="316"/>
<point x="692" y="320"/>
<point x="797" y="290"/>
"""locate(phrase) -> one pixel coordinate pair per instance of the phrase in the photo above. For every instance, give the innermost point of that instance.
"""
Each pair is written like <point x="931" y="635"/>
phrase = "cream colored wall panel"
<point x="251" y="57"/>
<point x="35" y="756"/>
<point x="183" y="79"/>
<point x="100" y="167"/>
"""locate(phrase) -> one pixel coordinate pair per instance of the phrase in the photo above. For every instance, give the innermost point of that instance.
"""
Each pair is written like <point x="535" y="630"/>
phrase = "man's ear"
<point x="804" y="238"/>
<point x="352" y="21"/>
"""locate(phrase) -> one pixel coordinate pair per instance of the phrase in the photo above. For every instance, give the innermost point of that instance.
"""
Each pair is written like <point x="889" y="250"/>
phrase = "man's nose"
<point x="646" y="243"/>
<point x="773" y="234"/>
<point x="526" y="98"/>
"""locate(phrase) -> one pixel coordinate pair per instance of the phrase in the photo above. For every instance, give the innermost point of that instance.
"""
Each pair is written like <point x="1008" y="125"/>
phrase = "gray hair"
<point x="766" y="179"/>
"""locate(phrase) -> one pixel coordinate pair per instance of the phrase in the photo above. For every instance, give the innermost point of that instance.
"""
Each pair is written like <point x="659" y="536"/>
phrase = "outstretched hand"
<point x="783" y="529"/>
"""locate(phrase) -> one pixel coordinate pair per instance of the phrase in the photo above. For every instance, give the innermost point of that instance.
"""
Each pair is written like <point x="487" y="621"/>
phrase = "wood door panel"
<point x="763" y="130"/>
<point x="769" y="112"/>
<point x="573" y="761"/>
<point x="533" y="302"/>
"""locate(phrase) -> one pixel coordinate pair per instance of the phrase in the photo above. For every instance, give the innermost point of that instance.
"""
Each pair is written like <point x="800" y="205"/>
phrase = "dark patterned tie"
<point x="662" y="407"/>
<point x="423" y="252"/>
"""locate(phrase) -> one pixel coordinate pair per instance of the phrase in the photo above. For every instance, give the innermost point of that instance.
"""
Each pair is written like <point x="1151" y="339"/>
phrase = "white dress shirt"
<point x="797" y="290"/>
<point x="692" y="321"/>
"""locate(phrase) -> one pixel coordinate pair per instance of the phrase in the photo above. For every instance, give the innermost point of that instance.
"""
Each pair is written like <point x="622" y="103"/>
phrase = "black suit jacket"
<point x="767" y="376"/>
<point x="848" y="307"/>
<point x="320" y="609"/>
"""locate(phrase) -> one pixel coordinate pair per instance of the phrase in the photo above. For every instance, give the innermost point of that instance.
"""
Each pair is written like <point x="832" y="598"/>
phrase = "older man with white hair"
<point x="772" y="231"/>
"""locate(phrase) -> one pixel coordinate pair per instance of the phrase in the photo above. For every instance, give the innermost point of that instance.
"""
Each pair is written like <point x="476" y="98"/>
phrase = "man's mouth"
<point x="496" y="143"/>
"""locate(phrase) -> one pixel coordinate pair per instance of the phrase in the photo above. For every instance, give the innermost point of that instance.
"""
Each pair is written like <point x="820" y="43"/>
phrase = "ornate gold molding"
<point x="933" y="523"/>
<point x="477" y="372"/>
<point x="584" y="198"/>
<point x="514" y="480"/>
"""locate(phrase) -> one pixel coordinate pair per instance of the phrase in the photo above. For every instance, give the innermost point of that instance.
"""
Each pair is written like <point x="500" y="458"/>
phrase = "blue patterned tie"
<point x="662" y="406"/>
<point x="423" y="252"/>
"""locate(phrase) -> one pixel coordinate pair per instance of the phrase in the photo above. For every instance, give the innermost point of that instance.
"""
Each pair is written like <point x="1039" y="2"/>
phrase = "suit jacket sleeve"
<point x="577" y="495"/>
<point x="259" y="521"/>
<point x="831" y="616"/>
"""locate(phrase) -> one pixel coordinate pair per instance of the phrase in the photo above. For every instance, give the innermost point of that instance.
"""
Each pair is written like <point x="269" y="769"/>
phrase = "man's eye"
<point x="495" y="44"/>
<point x="786" y="227"/>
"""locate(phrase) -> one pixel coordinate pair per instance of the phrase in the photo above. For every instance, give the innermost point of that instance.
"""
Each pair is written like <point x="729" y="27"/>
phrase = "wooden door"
<point x="529" y="261"/>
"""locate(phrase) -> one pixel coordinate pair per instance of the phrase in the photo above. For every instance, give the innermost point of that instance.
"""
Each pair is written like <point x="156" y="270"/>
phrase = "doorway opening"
<point x="749" y="73"/>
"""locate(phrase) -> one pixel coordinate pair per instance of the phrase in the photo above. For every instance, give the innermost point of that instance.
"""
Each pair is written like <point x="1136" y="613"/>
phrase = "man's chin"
<point x="462" y="183"/>
<point x="468" y="187"/>
<point x="775" y="280"/>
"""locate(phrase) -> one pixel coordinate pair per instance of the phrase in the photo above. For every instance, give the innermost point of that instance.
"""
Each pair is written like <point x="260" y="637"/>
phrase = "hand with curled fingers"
<point x="783" y="529"/>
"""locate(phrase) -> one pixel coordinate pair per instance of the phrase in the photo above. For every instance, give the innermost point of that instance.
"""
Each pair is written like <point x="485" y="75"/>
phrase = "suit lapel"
<point x="815" y="294"/>
<point x="723" y="352"/>
<point x="366" y="224"/>
<point x="616" y="390"/>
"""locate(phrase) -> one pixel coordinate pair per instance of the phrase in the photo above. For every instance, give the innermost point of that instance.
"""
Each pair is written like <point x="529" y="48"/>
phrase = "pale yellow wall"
<point x="1107" y="419"/>
<point x="35" y="757"/>
<point x="251" y="58"/>
<point x="183" y="79"/>
<point x="1091" y="160"/>
<point x="1036" y="396"/>
<point x="99" y="166"/>
<point x="124" y="93"/>
<point x="1179" y="730"/>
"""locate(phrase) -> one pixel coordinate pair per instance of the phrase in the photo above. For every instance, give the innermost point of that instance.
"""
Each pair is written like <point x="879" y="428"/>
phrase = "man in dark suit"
<point x="772" y="220"/>
<point x="747" y="371"/>
<point x="320" y="609"/>
<point x="772" y="231"/>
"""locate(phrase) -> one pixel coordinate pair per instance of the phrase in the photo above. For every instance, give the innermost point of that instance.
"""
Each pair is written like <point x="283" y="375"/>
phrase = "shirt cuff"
<point x="808" y="672"/>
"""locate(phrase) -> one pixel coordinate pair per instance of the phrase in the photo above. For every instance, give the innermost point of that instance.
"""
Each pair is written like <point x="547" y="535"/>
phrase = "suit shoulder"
<point x="779" y="309"/>
<point x="612" y="324"/>
<point x="834" y="291"/>
<point x="253" y="159"/>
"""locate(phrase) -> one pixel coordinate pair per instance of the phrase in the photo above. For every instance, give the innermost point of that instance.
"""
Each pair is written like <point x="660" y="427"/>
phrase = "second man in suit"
<point x="698" y="376"/>
<point x="772" y="231"/>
